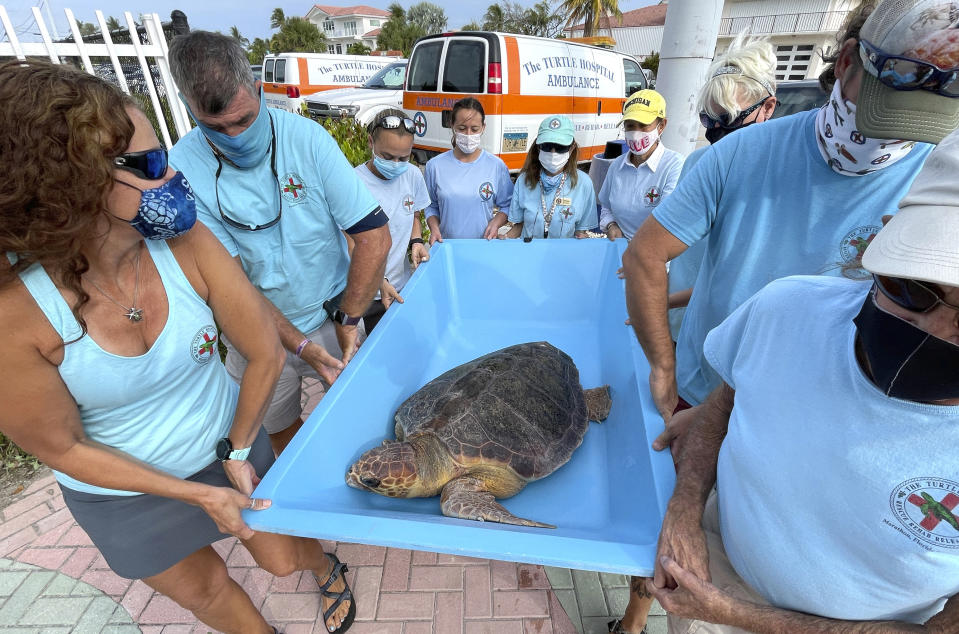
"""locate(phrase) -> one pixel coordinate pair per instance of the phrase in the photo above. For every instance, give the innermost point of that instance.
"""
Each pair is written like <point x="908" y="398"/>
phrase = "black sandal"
<point x="345" y="595"/>
<point x="616" y="627"/>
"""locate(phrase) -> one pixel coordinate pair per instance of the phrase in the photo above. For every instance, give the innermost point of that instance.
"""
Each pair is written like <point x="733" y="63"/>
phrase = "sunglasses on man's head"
<point x="905" y="73"/>
<point x="149" y="165"/>
<point x="392" y="122"/>
<point x="554" y="147"/>
<point x="724" y="121"/>
<point x="912" y="295"/>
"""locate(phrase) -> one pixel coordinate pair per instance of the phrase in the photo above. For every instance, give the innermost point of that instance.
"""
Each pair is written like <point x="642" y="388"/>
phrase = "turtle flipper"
<point x="467" y="498"/>
<point x="598" y="403"/>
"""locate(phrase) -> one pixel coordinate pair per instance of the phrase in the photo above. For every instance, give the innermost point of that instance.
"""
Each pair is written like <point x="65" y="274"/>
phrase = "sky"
<point x="251" y="17"/>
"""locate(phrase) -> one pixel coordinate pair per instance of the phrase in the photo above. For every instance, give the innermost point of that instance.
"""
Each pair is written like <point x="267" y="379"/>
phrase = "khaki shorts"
<point x="723" y="576"/>
<point x="286" y="406"/>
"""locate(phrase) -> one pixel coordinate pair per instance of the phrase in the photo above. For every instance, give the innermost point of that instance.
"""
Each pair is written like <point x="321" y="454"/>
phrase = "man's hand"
<point x="347" y="337"/>
<point x="492" y="228"/>
<point x="435" y="236"/>
<point x="682" y="539"/>
<point x="388" y="293"/>
<point x="613" y="231"/>
<point x="325" y="364"/>
<point x="693" y="597"/>
<point x="419" y="254"/>
<point x="662" y="384"/>
<point x="675" y="432"/>
<point x="242" y="475"/>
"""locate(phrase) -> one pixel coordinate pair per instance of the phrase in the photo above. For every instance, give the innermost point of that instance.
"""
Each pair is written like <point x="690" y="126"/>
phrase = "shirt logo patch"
<point x="203" y="348"/>
<point x="292" y="188"/>
<point x="486" y="191"/>
<point x="408" y="203"/>
<point x="653" y="196"/>
<point x="925" y="507"/>
<point x="853" y="245"/>
<point x="419" y="123"/>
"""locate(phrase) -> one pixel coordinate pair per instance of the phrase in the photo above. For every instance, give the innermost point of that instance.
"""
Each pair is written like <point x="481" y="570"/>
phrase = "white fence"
<point x="152" y="76"/>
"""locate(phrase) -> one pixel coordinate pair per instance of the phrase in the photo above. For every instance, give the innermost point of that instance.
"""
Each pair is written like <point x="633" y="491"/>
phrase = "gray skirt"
<point x="143" y="535"/>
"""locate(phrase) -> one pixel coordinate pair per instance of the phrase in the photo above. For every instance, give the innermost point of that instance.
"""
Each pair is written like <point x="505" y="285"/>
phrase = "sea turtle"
<point x="484" y="429"/>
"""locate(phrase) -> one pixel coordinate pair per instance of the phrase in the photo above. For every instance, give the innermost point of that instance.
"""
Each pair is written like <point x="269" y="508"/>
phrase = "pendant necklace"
<point x="133" y="313"/>
<point x="548" y="215"/>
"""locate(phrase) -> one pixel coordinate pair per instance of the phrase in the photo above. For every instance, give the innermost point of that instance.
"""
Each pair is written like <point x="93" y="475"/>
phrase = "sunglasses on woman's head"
<point x="149" y="165"/>
<point x="724" y="121"/>
<point x="392" y="122"/>
<point x="554" y="147"/>
<point x="912" y="295"/>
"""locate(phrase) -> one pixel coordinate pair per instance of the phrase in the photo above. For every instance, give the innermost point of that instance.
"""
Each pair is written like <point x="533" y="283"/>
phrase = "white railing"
<point x="155" y="76"/>
<point x="816" y="22"/>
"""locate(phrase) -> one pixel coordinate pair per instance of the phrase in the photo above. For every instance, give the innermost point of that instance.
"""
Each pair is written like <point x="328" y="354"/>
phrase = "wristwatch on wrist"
<point x="225" y="451"/>
<point x="339" y="316"/>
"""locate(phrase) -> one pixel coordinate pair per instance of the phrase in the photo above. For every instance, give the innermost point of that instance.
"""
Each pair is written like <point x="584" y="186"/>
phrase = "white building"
<point x="348" y="25"/>
<point x="799" y="29"/>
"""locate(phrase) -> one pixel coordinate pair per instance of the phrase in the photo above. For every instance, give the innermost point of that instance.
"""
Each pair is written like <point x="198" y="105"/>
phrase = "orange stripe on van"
<point x="512" y="56"/>
<point x="512" y="103"/>
<point x="514" y="160"/>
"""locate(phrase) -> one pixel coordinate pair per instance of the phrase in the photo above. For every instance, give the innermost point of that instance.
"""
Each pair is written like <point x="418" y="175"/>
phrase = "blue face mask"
<point x="390" y="169"/>
<point x="166" y="211"/>
<point x="550" y="182"/>
<point x="248" y="148"/>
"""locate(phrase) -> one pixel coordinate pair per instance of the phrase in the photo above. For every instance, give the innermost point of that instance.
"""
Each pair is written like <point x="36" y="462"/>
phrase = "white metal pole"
<point x="53" y="24"/>
<point x="689" y="43"/>
<point x="38" y="18"/>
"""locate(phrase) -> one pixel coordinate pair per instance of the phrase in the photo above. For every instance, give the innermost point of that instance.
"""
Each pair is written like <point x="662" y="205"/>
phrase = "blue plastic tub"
<point x="471" y="298"/>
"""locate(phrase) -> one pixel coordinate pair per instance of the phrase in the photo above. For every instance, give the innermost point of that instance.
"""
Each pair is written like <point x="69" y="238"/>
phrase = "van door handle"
<point x="599" y="107"/>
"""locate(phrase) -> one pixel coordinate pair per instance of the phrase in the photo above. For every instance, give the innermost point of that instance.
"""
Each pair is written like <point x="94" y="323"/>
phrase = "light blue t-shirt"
<point x="573" y="212"/>
<point x="823" y="480"/>
<point x="684" y="268"/>
<point x="629" y="193"/>
<point x="167" y="407"/>
<point x="463" y="195"/>
<point x="302" y="260"/>
<point x="770" y="207"/>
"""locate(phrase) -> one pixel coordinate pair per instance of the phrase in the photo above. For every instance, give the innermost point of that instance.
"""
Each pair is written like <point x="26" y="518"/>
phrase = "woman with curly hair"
<point x="109" y="300"/>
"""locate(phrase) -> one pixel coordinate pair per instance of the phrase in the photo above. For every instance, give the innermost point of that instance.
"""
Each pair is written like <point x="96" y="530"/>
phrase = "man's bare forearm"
<point x="696" y="474"/>
<point x="646" y="302"/>
<point x="367" y="265"/>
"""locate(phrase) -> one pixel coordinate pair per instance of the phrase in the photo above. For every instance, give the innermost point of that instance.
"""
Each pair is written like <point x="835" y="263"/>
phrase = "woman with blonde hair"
<point x="110" y="298"/>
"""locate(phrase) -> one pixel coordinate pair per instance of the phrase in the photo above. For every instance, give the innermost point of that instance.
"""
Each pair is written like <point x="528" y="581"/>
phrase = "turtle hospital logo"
<point x="292" y="188"/>
<point x="652" y="196"/>
<point x="853" y="245"/>
<point x="203" y="348"/>
<point x="486" y="190"/>
<point x="926" y="509"/>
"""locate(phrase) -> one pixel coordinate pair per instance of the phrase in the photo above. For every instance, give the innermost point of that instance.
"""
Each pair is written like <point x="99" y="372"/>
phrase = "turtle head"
<point x="389" y="469"/>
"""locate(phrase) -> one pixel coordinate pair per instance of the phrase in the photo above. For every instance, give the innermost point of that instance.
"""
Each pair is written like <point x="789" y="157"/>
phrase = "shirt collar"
<point x="652" y="162"/>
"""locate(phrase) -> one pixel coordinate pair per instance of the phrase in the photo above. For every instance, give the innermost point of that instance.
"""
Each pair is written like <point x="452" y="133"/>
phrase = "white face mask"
<point x="847" y="150"/>
<point x="640" y="142"/>
<point x="468" y="143"/>
<point x="553" y="162"/>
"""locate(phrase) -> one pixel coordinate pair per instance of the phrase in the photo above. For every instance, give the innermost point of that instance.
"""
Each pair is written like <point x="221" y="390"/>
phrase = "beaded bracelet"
<point x="300" y="348"/>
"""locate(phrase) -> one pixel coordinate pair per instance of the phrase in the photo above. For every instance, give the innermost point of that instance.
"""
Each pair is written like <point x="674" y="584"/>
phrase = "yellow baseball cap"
<point x="645" y="107"/>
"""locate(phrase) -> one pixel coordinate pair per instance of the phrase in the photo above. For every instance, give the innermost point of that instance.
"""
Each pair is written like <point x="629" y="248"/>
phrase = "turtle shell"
<point x="521" y="407"/>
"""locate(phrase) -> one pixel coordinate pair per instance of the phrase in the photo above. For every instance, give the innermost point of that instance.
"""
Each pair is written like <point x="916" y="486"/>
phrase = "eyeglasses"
<point x="554" y="147"/>
<point x="149" y="165"/>
<point x="392" y="122"/>
<point x="724" y="121"/>
<point x="912" y="295"/>
<point x="216" y="187"/>
<point x="905" y="73"/>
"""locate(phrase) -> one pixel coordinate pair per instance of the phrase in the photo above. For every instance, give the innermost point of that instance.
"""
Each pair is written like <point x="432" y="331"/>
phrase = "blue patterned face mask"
<point x="166" y="211"/>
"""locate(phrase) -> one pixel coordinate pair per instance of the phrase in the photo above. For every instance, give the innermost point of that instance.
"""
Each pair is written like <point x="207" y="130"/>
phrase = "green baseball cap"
<point x="555" y="129"/>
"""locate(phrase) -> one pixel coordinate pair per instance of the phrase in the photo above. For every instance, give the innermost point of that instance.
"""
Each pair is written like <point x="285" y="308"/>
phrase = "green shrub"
<point x="13" y="458"/>
<point x="352" y="139"/>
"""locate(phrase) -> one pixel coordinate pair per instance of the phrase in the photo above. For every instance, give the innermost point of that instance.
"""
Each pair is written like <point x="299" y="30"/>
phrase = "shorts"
<point x="723" y="575"/>
<point x="286" y="406"/>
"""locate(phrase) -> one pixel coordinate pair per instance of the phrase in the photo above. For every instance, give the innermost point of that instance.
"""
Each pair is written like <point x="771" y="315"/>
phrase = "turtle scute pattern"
<point x="521" y="407"/>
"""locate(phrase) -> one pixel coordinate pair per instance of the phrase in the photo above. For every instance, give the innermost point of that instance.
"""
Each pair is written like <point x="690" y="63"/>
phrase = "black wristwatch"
<point x="225" y="451"/>
<point x="338" y="315"/>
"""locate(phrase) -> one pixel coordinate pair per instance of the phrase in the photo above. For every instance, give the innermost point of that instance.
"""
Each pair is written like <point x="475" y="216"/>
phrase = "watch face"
<point x="223" y="449"/>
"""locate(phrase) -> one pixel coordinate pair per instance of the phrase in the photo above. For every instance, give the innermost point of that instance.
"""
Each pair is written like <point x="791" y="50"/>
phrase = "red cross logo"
<point x="208" y="344"/>
<point x="934" y="511"/>
<point x="486" y="190"/>
<point x="419" y="122"/>
<point x="861" y="244"/>
<point x="408" y="203"/>
<point x="292" y="188"/>
<point x="652" y="196"/>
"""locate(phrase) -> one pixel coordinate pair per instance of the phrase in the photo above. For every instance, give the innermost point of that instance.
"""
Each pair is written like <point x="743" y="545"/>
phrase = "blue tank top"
<point x="166" y="407"/>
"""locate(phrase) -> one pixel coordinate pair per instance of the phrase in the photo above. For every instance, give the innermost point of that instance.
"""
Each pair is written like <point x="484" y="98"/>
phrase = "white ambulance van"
<point x="290" y="77"/>
<point x="519" y="80"/>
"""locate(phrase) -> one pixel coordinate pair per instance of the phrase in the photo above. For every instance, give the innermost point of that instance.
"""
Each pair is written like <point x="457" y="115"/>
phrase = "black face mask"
<point x="906" y="362"/>
<point x="715" y="134"/>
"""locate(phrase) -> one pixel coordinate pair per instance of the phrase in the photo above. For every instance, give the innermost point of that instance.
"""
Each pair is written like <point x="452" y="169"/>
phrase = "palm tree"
<point x="590" y="12"/>
<point x="236" y="35"/>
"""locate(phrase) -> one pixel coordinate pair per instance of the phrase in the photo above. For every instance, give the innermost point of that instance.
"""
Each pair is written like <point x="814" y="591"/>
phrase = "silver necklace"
<point x="548" y="215"/>
<point x="133" y="313"/>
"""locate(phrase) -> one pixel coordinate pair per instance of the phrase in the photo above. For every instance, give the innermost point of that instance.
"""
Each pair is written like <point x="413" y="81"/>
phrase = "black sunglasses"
<point x="905" y="73"/>
<point x="724" y="121"/>
<point x="392" y="122"/>
<point x="554" y="147"/>
<point x="216" y="187"/>
<point x="149" y="165"/>
<point x="912" y="295"/>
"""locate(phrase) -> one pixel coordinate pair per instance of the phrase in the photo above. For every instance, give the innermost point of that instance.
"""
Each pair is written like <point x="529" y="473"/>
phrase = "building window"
<point x="339" y="48"/>
<point x="330" y="48"/>
<point x="374" y="23"/>
<point x="792" y="61"/>
<point x="328" y="26"/>
<point x="349" y="28"/>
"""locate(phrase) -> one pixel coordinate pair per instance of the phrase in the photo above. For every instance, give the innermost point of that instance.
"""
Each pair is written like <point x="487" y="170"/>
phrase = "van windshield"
<point x="389" y="77"/>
